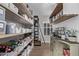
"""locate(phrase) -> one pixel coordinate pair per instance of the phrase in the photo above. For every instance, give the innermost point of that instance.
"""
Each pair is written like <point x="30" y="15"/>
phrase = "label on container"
<point x="1" y="12"/>
<point x="1" y="25"/>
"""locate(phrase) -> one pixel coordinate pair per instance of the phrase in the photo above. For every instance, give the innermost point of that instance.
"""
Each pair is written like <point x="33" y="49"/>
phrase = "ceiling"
<point x="41" y="9"/>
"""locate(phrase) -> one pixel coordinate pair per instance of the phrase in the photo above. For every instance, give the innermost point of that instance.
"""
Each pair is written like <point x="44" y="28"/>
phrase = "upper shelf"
<point x="12" y="16"/>
<point x="23" y="9"/>
<point x="58" y="8"/>
<point x="63" y="12"/>
<point x="63" y="18"/>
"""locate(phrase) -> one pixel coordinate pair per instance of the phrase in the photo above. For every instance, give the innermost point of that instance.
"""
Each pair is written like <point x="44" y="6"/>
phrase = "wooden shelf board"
<point x="66" y="41"/>
<point x="71" y="42"/>
<point x="63" y="18"/>
<point x="10" y="35"/>
<point x="58" y="8"/>
<point x="12" y="16"/>
<point x="23" y="9"/>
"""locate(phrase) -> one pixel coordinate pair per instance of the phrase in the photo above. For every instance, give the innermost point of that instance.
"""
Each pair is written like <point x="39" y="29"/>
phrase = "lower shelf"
<point x="18" y="49"/>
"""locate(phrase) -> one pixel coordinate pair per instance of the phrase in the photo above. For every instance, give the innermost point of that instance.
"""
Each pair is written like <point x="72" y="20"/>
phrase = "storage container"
<point x="66" y="52"/>
<point x="25" y="16"/>
<point x="2" y="27"/>
<point x="13" y="7"/>
<point x="11" y="28"/>
<point x="61" y="13"/>
<point x="63" y="37"/>
<point x="18" y="30"/>
<point x="2" y="13"/>
<point x="77" y="34"/>
<point x="23" y="30"/>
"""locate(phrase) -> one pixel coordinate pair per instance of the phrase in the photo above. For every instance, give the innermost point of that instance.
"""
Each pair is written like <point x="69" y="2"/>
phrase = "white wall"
<point x="71" y="8"/>
<point x="43" y="19"/>
<point x="71" y="23"/>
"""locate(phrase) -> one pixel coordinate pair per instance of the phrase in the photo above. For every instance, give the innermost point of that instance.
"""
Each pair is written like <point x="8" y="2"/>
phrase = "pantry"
<point x="39" y="29"/>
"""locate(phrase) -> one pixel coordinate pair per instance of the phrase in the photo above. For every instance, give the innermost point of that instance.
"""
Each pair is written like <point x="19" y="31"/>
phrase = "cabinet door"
<point x="70" y="8"/>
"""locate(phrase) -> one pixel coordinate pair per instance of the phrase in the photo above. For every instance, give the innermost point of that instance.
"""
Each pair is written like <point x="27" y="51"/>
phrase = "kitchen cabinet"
<point x="59" y="44"/>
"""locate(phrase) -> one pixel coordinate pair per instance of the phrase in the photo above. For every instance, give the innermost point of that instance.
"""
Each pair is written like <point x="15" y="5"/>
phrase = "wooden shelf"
<point x="12" y="16"/>
<point x="58" y="8"/>
<point x="8" y="35"/>
<point x="66" y="41"/>
<point x="63" y="18"/>
<point x="23" y="9"/>
<point x="11" y="35"/>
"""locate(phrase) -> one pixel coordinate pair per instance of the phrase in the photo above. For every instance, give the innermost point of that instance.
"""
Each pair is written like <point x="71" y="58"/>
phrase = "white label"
<point x="1" y="11"/>
<point x="1" y="25"/>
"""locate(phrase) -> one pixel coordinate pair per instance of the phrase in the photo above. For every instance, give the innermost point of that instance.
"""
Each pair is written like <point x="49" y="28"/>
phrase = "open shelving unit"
<point x="13" y="17"/>
<point x="37" y="42"/>
<point x="19" y="48"/>
<point x="60" y="18"/>
<point x="58" y="45"/>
